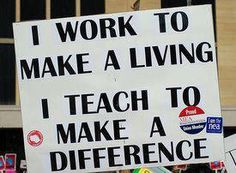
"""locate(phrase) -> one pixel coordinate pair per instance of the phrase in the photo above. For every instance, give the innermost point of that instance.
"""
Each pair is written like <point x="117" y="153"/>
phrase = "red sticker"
<point x="190" y="111"/>
<point x="35" y="138"/>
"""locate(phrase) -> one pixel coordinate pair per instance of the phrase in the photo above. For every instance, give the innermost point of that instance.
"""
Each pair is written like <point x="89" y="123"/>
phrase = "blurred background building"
<point x="11" y="137"/>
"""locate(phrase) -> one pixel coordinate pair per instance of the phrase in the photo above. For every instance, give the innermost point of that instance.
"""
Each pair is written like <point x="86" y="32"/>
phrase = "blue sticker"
<point x="214" y="125"/>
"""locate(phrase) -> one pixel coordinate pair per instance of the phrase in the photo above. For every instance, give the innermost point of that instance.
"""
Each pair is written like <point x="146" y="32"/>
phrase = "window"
<point x="7" y="74"/>
<point x="7" y="56"/>
<point x="7" y="16"/>
<point x="62" y="8"/>
<point x="33" y="9"/>
<point x="89" y="7"/>
<point x="173" y="3"/>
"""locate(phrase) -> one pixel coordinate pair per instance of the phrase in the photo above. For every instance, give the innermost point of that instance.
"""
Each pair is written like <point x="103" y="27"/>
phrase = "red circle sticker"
<point x="35" y="138"/>
<point x="192" y="120"/>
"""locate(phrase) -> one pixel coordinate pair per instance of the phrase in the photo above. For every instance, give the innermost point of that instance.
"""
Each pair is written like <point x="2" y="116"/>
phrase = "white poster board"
<point x="230" y="153"/>
<point x="119" y="91"/>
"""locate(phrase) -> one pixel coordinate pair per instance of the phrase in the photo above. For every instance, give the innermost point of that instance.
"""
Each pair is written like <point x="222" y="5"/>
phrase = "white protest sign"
<point x="230" y="153"/>
<point x="119" y="91"/>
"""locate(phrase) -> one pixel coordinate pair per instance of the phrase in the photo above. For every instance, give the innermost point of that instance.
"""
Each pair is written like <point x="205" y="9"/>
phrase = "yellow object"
<point x="145" y="170"/>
